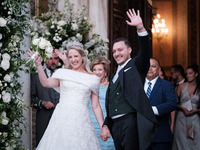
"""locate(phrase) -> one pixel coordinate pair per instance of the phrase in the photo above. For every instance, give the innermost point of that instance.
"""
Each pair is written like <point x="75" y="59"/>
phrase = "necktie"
<point x="149" y="90"/>
<point x="116" y="74"/>
<point x="51" y="72"/>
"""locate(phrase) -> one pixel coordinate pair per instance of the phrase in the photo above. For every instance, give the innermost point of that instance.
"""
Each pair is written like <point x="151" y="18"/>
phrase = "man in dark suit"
<point x="130" y="118"/>
<point x="177" y="75"/>
<point x="44" y="99"/>
<point x="163" y="99"/>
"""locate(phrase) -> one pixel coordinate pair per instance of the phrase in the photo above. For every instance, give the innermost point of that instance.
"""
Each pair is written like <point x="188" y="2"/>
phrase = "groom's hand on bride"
<point x="105" y="133"/>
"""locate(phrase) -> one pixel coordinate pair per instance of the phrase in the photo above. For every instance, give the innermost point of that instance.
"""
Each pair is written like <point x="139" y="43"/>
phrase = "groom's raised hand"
<point x="135" y="20"/>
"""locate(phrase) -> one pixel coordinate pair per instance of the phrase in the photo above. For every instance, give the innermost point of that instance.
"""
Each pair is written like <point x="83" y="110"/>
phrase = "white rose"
<point x="2" y="22"/>
<point x="48" y="44"/>
<point x="6" y="56"/>
<point x="4" y="121"/>
<point x="74" y="26"/>
<point x="49" y="49"/>
<point x="6" y="98"/>
<point x="49" y="55"/>
<point x="3" y="114"/>
<point x="61" y="23"/>
<point x="0" y="36"/>
<point x="35" y="41"/>
<point x="42" y="44"/>
<point x="7" y="78"/>
<point x="5" y="64"/>
<point x="3" y="92"/>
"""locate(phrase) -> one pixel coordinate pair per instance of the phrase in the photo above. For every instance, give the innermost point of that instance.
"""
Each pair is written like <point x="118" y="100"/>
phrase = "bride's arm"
<point x="46" y="82"/>
<point x="97" y="109"/>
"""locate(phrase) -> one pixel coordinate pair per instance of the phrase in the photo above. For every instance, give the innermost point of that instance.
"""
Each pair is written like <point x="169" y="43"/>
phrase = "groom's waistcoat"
<point x="117" y="103"/>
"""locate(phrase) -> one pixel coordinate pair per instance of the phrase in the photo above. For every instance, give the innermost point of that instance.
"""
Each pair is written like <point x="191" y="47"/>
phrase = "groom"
<point x="130" y="118"/>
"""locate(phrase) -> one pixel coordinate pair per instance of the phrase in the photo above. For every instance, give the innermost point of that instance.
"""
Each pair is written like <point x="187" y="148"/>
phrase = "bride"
<point x="70" y="127"/>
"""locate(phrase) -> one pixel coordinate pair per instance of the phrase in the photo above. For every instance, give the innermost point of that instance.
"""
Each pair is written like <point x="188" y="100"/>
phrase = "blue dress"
<point x="109" y="144"/>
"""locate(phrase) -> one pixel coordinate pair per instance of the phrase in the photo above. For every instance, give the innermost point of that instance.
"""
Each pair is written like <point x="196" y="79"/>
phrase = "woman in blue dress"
<point x="100" y="66"/>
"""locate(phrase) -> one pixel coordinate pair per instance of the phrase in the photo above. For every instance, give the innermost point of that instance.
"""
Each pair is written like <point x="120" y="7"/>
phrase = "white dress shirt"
<point x="118" y="70"/>
<point x="146" y="85"/>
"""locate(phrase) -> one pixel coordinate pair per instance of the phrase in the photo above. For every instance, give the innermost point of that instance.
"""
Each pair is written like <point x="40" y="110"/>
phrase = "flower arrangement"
<point x="13" y="25"/>
<point x="40" y="46"/>
<point x="61" y="27"/>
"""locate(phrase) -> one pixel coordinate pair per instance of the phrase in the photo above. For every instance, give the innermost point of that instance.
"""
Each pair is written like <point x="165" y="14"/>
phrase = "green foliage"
<point x="13" y="27"/>
<point x="61" y="27"/>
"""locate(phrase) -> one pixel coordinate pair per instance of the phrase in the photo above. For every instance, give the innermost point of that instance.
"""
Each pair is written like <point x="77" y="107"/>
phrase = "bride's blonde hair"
<point x="85" y="62"/>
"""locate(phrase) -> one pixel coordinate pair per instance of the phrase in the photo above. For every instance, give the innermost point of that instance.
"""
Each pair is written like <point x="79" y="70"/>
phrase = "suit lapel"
<point x="108" y="91"/>
<point x="155" y="88"/>
<point x="121" y="74"/>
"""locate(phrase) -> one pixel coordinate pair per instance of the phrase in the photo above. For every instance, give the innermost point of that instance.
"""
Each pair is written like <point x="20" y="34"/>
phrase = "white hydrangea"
<point x="74" y="26"/>
<point x="61" y="23"/>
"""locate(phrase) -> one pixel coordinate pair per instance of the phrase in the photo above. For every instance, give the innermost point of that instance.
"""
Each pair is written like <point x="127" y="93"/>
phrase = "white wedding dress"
<point x="70" y="127"/>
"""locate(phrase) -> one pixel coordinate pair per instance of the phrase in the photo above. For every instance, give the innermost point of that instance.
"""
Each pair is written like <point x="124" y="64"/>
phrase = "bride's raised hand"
<point x="62" y="55"/>
<point x="36" y="56"/>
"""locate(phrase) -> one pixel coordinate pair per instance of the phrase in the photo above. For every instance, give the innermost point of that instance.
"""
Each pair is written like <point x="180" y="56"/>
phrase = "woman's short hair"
<point x="102" y="60"/>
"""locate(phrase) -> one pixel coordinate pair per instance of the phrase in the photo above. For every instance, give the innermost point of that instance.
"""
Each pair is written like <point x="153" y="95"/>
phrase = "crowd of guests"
<point x="143" y="108"/>
<point x="185" y="120"/>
